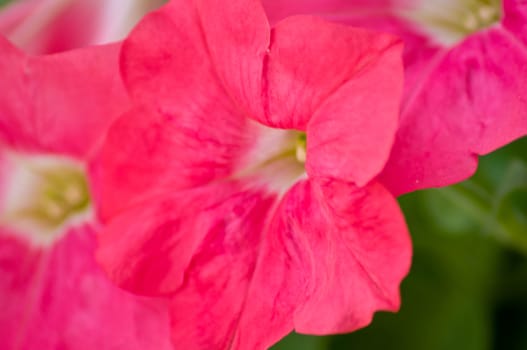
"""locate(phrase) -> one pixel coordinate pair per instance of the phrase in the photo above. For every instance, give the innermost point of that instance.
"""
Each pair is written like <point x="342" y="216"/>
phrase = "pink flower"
<point x="47" y="26"/>
<point x="241" y="185"/>
<point x="54" y="111"/>
<point x="466" y="80"/>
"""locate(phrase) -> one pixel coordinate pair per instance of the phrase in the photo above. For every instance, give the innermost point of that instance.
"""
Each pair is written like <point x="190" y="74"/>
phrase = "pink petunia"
<point x="54" y="112"/>
<point x="241" y="185"/>
<point x="49" y="26"/>
<point x="466" y="80"/>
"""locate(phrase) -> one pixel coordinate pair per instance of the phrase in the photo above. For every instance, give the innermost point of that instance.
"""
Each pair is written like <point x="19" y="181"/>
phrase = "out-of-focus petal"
<point x="59" y="298"/>
<point x="515" y="19"/>
<point x="50" y="26"/>
<point x="471" y="103"/>
<point x="59" y="103"/>
<point x="332" y="256"/>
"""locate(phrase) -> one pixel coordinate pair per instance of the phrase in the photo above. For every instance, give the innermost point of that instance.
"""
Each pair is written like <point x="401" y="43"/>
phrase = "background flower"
<point x="54" y="111"/>
<point x="47" y="26"/>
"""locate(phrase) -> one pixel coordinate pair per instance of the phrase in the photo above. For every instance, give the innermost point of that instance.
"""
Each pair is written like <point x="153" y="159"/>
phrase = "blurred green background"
<point x="467" y="289"/>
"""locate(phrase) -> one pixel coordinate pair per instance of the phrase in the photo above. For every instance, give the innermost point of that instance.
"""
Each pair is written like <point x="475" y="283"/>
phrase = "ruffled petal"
<point x="351" y="134"/>
<point x="471" y="103"/>
<point x="281" y="77"/>
<point x="149" y="247"/>
<point x="237" y="35"/>
<point x="309" y="61"/>
<point x="59" y="103"/>
<point x="332" y="256"/>
<point x="58" y="297"/>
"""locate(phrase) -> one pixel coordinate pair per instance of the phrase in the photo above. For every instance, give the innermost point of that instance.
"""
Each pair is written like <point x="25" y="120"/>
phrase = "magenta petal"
<point x="471" y="103"/>
<point x="332" y="256"/>
<point x="58" y="298"/>
<point x="60" y="103"/>
<point x="148" y="248"/>
<point x="515" y="18"/>
<point x="50" y="26"/>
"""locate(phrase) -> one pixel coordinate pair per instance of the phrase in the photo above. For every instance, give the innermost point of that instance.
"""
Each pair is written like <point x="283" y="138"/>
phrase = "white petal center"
<point x="43" y="195"/>
<point x="450" y="21"/>
<point x="277" y="158"/>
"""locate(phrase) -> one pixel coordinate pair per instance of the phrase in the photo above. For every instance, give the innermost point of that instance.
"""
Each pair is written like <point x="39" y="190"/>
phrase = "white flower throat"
<point x="278" y="158"/>
<point x="450" y="21"/>
<point x="43" y="195"/>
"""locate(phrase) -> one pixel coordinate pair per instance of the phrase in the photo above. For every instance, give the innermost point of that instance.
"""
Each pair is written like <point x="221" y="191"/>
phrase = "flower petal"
<point x="330" y="9"/>
<point x="281" y="79"/>
<point x="59" y="298"/>
<point x="332" y="256"/>
<point x="172" y="143"/>
<point x="237" y="35"/>
<point x="207" y="307"/>
<point x="147" y="153"/>
<point x="148" y="248"/>
<point x="165" y="62"/>
<point x="50" y="26"/>
<point x="59" y="103"/>
<point x="515" y="18"/>
<point x="471" y="103"/>
<point x="351" y="133"/>
<point x="309" y="61"/>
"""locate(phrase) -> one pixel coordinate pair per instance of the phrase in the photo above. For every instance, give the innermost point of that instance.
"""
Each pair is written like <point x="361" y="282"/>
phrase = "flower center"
<point x="453" y="20"/>
<point x="44" y="194"/>
<point x="278" y="158"/>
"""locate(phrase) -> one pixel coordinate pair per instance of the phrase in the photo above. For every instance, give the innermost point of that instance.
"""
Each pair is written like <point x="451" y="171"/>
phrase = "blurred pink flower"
<point x="241" y="185"/>
<point x="54" y="110"/>
<point x="47" y="26"/>
<point x="466" y="80"/>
